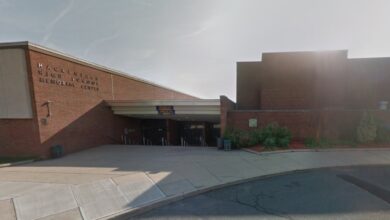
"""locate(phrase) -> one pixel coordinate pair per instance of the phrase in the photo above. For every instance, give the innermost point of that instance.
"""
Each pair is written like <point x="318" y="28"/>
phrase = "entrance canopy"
<point x="181" y="110"/>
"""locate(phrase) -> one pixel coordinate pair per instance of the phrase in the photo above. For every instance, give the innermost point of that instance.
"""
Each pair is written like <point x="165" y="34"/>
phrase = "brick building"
<point x="48" y="98"/>
<point x="315" y="94"/>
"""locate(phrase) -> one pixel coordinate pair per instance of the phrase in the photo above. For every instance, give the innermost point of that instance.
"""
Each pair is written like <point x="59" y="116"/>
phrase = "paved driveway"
<point x="358" y="192"/>
<point x="107" y="180"/>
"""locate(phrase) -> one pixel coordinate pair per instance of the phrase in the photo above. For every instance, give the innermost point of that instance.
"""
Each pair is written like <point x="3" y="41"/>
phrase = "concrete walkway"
<point x="109" y="180"/>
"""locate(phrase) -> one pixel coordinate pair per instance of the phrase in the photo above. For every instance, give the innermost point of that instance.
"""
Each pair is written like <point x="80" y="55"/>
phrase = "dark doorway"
<point x="154" y="132"/>
<point x="184" y="133"/>
<point x="192" y="133"/>
<point x="198" y="133"/>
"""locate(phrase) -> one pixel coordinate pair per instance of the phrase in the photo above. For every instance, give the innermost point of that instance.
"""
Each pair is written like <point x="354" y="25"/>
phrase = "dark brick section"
<point x="79" y="118"/>
<point x="226" y="106"/>
<point x="313" y="93"/>
<point x="312" y="80"/>
<point x="301" y="80"/>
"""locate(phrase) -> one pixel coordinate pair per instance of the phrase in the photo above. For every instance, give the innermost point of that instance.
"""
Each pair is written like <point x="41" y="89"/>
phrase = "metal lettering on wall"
<point x="59" y="76"/>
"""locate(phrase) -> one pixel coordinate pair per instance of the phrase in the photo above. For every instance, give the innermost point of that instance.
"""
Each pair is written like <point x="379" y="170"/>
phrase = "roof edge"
<point x="300" y="52"/>
<point x="61" y="55"/>
<point x="158" y="102"/>
<point x="306" y="51"/>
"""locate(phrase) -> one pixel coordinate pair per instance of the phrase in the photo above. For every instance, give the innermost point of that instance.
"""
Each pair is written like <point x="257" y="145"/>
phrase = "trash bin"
<point x="57" y="151"/>
<point x="227" y="145"/>
<point x="220" y="143"/>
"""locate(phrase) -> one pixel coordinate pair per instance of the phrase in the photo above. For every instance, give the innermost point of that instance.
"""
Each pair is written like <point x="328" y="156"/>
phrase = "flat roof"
<point x="181" y="110"/>
<point x="177" y="102"/>
<point x="58" y="54"/>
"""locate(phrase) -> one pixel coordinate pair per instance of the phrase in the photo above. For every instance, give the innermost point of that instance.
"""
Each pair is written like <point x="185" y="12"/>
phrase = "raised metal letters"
<point x="58" y="76"/>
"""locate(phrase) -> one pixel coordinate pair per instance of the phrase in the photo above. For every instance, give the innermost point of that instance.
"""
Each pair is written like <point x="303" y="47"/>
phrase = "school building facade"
<point x="48" y="98"/>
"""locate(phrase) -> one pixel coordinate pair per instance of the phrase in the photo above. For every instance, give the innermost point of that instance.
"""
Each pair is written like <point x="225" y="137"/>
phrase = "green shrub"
<point x="367" y="129"/>
<point x="244" y="139"/>
<point x="284" y="142"/>
<point x="271" y="136"/>
<point x="243" y="143"/>
<point x="270" y="142"/>
<point x="383" y="134"/>
<point x="233" y="135"/>
<point x="311" y="142"/>
<point x="351" y="143"/>
<point x="237" y="137"/>
<point x="275" y="136"/>
<point x="255" y="137"/>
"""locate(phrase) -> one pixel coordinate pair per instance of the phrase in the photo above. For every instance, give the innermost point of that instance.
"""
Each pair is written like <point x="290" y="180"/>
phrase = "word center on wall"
<point x="65" y="77"/>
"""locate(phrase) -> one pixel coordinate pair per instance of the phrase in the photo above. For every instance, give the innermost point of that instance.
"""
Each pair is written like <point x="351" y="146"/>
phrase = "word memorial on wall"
<point x="59" y="76"/>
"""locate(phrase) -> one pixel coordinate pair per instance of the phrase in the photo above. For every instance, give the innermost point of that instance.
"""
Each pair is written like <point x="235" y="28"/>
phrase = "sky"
<point x="193" y="45"/>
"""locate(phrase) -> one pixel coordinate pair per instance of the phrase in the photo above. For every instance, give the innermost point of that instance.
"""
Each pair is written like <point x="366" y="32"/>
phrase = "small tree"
<point x="367" y="129"/>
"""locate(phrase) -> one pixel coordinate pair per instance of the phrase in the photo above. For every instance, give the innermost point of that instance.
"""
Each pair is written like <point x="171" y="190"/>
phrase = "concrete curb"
<point x="315" y="150"/>
<point x="131" y="212"/>
<point x="16" y="163"/>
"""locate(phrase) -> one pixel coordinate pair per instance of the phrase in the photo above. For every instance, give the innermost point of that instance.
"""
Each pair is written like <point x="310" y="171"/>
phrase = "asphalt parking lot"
<point x="361" y="192"/>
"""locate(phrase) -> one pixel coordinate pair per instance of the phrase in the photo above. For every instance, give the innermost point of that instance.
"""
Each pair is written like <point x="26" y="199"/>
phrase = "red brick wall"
<point x="335" y="124"/>
<point x="287" y="81"/>
<point x="301" y="124"/>
<point x="125" y="89"/>
<point x="19" y="137"/>
<point x="79" y="118"/>
<point x="368" y="82"/>
<point x="226" y="106"/>
<point x="312" y="80"/>
<point x="248" y="76"/>
<point x="333" y="89"/>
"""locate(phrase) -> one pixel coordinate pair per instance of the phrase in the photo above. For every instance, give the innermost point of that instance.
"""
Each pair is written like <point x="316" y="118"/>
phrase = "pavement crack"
<point x="270" y="211"/>
<point x="259" y="207"/>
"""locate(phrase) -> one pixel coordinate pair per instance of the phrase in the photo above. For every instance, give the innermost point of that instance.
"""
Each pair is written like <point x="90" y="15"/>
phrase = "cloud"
<point x="4" y="3"/>
<point x="144" y="3"/>
<point x="205" y="26"/>
<point x="51" y="25"/>
<point x="99" y="41"/>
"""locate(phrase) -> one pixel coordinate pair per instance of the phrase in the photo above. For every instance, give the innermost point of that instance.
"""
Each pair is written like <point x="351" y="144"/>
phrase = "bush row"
<point x="270" y="136"/>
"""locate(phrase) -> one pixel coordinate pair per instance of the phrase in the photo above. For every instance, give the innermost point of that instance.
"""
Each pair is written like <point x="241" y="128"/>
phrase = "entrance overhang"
<point x="207" y="110"/>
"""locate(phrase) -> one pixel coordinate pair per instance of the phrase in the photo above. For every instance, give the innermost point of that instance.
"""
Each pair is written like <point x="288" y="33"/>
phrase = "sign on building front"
<point x="59" y="76"/>
<point x="165" y="110"/>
